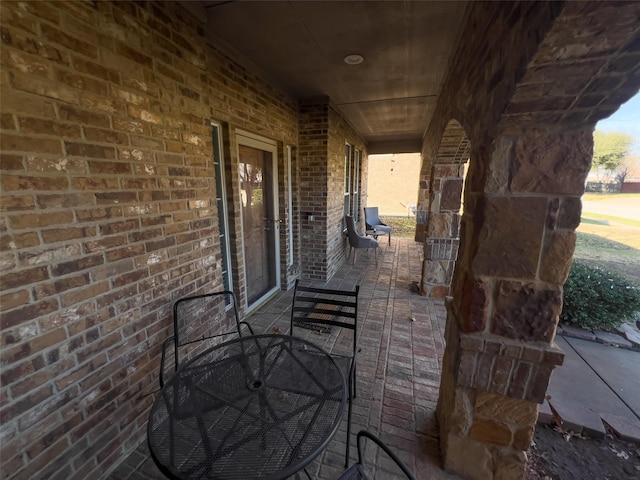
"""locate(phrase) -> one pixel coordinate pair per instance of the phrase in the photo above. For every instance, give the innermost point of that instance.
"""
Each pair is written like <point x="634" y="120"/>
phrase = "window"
<point x="347" y="183"/>
<point x="351" y="183"/>
<point x="355" y="204"/>
<point x="221" y="204"/>
<point x="290" y="203"/>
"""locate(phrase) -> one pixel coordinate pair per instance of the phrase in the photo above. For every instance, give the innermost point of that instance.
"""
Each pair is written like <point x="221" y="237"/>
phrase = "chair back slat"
<point x="333" y="306"/>
<point x="327" y="291"/>
<point x="323" y="312"/>
<point x="315" y="306"/>
<point x="204" y="316"/>
<point x="200" y="322"/>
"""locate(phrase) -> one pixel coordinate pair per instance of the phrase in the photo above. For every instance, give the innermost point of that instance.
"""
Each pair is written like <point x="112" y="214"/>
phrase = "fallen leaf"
<point x="620" y="454"/>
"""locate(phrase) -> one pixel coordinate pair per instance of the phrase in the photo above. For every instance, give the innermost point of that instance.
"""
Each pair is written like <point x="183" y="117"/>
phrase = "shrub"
<point x="597" y="299"/>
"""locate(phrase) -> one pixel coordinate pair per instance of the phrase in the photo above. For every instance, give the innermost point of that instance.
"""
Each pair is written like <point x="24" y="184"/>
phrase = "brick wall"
<point x="314" y="131"/>
<point x="340" y="132"/>
<point x="108" y="215"/>
<point x="323" y="135"/>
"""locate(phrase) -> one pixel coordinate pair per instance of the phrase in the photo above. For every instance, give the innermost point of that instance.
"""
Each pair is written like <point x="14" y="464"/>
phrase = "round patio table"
<point x="256" y="407"/>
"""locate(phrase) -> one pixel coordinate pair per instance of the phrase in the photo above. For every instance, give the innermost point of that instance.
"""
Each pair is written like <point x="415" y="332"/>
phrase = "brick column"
<point x="521" y="209"/>
<point x="313" y="161"/>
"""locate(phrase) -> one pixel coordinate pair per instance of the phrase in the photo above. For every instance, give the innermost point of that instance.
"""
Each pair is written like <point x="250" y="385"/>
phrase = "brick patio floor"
<point x="401" y="341"/>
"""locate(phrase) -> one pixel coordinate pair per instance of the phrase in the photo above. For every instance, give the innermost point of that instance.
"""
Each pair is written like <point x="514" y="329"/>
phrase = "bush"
<point x="597" y="299"/>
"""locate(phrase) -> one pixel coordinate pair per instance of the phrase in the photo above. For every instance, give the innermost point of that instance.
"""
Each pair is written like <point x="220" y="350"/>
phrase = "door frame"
<point x="221" y="171"/>
<point x="262" y="143"/>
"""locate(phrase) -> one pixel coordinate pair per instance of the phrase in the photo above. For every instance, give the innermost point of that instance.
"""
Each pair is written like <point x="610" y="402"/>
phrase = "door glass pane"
<point x="258" y="220"/>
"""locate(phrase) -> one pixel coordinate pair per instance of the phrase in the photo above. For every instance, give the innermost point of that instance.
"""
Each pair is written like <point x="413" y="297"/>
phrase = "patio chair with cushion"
<point x="357" y="240"/>
<point x="357" y="471"/>
<point x="200" y="322"/>
<point x="321" y="310"/>
<point x="373" y="222"/>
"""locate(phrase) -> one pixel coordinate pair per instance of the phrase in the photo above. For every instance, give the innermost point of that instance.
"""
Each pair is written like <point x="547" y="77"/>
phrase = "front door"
<point x="258" y="192"/>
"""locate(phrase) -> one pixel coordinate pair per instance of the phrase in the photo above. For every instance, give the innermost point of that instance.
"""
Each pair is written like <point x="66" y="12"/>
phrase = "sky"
<point x="626" y="119"/>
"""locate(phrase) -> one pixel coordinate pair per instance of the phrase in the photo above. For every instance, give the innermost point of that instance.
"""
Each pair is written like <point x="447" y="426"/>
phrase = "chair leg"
<point x="346" y="457"/>
<point x="355" y="371"/>
<point x="389" y="238"/>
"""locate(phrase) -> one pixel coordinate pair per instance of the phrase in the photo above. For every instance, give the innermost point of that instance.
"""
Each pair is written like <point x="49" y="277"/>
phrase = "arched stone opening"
<point x="522" y="206"/>
<point x="444" y="211"/>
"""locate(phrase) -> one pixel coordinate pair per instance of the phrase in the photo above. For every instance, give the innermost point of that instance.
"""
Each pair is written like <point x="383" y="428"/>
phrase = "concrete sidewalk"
<point x="622" y="206"/>
<point x="596" y="390"/>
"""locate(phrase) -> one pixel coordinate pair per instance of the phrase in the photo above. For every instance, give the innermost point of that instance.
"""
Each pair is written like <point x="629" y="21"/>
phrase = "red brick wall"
<point x="108" y="215"/>
<point x="323" y="135"/>
<point x="340" y="133"/>
<point x="314" y="131"/>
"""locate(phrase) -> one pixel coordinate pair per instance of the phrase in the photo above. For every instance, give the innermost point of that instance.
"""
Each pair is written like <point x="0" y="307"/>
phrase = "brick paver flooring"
<point x="401" y="341"/>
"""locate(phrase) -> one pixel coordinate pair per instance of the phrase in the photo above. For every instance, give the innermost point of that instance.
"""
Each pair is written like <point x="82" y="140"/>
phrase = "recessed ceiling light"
<point x="353" y="59"/>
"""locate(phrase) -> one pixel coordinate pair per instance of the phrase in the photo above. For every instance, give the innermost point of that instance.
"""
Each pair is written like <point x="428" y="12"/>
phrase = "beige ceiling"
<point x="300" y="47"/>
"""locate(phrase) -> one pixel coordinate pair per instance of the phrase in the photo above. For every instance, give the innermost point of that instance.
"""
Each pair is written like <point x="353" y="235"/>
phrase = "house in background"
<point x="391" y="183"/>
<point x="152" y="150"/>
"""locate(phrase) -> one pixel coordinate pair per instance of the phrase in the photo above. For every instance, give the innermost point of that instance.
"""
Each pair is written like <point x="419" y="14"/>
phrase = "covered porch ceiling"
<point x="300" y="46"/>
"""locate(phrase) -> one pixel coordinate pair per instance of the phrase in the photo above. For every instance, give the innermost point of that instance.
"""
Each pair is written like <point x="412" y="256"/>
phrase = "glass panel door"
<point x="258" y="185"/>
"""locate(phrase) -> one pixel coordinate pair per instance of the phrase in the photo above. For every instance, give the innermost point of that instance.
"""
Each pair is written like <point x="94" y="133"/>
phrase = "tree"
<point x="610" y="149"/>
<point x="628" y="168"/>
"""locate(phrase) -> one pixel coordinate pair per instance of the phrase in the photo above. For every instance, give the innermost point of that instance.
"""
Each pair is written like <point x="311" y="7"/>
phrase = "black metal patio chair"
<point x="357" y="471"/>
<point x="200" y="322"/>
<point x="321" y="310"/>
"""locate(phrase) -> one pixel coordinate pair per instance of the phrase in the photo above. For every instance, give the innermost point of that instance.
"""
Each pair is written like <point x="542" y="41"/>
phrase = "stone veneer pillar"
<point x="443" y="227"/>
<point x="422" y="205"/>
<point x="522" y="205"/>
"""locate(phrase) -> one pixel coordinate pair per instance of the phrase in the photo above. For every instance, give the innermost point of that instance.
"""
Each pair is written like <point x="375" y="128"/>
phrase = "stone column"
<point x="422" y="205"/>
<point x="522" y="205"/>
<point x="443" y="227"/>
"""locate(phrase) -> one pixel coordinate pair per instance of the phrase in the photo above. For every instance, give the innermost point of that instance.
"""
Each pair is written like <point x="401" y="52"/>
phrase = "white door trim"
<point x="256" y="141"/>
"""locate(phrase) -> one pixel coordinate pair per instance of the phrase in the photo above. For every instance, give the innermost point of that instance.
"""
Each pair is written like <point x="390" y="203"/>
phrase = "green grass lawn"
<point x="592" y="221"/>
<point x="403" y="227"/>
<point x="609" y="196"/>
<point x="598" y="218"/>
<point x="592" y="248"/>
